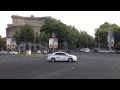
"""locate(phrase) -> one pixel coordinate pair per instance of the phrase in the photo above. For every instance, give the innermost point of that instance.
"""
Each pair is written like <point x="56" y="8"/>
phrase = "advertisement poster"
<point x="8" y="42"/>
<point x="55" y="42"/>
<point x="50" y="43"/>
<point x="110" y="39"/>
<point x="13" y="42"/>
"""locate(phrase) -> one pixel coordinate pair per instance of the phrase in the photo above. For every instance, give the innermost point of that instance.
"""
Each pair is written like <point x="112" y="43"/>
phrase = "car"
<point x="81" y="50"/>
<point x="44" y="51"/>
<point x="38" y="51"/>
<point x="61" y="56"/>
<point x="13" y="52"/>
<point x="118" y="51"/>
<point x="85" y="50"/>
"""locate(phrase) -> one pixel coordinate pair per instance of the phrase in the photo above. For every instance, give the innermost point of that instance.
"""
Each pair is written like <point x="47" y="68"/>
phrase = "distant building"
<point x="19" y="21"/>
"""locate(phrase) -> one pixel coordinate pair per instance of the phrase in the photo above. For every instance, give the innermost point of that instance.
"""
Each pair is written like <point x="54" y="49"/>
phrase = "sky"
<point x="82" y="20"/>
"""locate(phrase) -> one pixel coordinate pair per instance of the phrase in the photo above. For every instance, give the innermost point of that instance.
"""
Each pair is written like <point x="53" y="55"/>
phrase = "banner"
<point x="55" y="42"/>
<point x="50" y="42"/>
<point x="8" y="42"/>
<point x="110" y="38"/>
<point x="13" y="43"/>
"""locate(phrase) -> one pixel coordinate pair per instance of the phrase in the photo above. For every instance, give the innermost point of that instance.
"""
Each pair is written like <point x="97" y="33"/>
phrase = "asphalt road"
<point x="88" y="66"/>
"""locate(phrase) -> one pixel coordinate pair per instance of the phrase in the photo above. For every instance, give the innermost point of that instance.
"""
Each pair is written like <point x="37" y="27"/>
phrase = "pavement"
<point x="89" y="66"/>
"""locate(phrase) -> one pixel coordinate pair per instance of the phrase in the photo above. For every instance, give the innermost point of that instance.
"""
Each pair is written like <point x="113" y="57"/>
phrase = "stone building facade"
<point x="19" y="21"/>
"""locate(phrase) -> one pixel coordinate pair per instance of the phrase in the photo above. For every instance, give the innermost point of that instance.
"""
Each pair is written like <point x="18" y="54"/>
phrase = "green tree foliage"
<point x="44" y="38"/>
<point x="2" y="43"/>
<point x="102" y="31"/>
<point x="27" y="33"/>
<point x="17" y="35"/>
<point x="74" y="38"/>
<point x="118" y="46"/>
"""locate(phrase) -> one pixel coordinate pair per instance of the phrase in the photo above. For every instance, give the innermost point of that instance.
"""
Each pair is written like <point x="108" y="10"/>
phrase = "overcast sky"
<point x="82" y="20"/>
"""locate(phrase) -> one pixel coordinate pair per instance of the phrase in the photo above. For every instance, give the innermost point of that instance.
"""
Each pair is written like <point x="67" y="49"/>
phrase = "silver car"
<point x="61" y="56"/>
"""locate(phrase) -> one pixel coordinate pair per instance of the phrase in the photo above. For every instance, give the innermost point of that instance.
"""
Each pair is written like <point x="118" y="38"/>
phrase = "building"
<point x="19" y="21"/>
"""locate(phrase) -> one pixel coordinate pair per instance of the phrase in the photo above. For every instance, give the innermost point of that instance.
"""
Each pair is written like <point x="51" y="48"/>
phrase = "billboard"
<point x="13" y="42"/>
<point x="50" y="42"/>
<point x="110" y="38"/>
<point x="53" y="41"/>
<point x="8" y="42"/>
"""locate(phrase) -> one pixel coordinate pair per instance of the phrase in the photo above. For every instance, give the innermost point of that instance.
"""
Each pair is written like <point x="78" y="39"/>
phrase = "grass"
<point x="29" y="55"/>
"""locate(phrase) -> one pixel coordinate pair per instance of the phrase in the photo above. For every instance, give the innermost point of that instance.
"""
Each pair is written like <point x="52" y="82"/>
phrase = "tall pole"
<point x="109" y="40"/>
<point x="53" y="35"/>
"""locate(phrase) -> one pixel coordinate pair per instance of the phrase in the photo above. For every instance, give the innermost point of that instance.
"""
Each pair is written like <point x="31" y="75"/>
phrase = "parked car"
<point x="118" y="51"/>
<point x="38" y="51"/>
<point x="85" y="50"/>
<point x="44" y="51"/>
<point x="13" y="52"/>
<point x="81" y="50"/>
<point x="61" y="56"/>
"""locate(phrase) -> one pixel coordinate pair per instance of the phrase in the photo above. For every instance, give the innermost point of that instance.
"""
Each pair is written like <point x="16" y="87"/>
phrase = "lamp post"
<point x="53" y="35"/>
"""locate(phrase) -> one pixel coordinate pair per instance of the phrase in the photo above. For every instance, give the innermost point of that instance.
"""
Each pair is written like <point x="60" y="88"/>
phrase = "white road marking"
<point x="112" y="67"/>
<point x="73" y="68"/>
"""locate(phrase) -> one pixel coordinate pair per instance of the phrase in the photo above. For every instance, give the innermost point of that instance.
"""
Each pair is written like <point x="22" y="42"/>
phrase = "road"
<point x="88" y="66"/>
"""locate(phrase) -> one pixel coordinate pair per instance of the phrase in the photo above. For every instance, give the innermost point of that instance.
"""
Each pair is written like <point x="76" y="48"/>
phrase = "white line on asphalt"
<point x="112" y="67"/>
<point x="73" y="68"/>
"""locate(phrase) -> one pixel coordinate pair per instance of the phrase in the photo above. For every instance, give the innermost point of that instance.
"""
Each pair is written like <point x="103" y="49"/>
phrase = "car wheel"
<point x="70" y="60"/>
<point x="53" y="59"/>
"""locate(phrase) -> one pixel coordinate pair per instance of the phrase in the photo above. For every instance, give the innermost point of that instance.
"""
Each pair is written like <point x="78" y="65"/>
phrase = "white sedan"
<point x="13" y="52"/>
<point x="61" y="56"/>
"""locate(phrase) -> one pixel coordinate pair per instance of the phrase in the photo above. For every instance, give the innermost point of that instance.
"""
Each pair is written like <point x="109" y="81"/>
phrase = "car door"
<point x="57" y="56"/>
<point x="64" y="57"/>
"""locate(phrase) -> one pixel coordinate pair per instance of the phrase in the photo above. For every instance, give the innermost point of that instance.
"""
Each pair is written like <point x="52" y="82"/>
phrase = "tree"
<point x="63" y="32"/>
<point x="44" y="38"/>
<point x="17" y="35"/>
<point x="27" y="34"/>
<point x="102" y="32"/>
<point x="2" y="43"/>
<point x="118" y="46"/>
